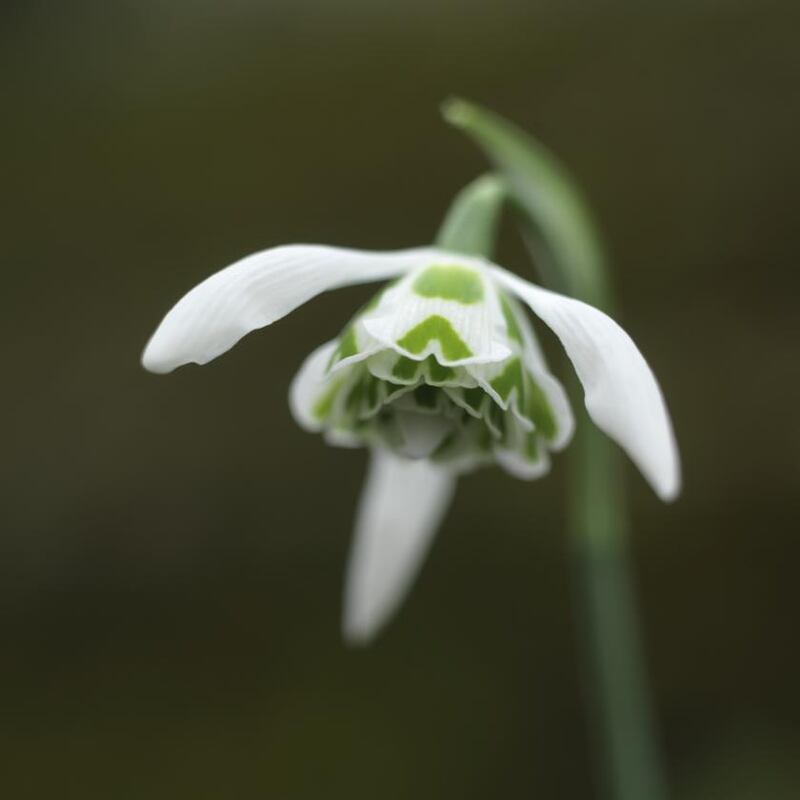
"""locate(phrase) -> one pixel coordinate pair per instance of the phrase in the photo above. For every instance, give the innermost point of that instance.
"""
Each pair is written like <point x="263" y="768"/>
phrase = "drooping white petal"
<point x="260" y="289"/>
<point x="401" y="507"/>
<point x="621" y="392"/>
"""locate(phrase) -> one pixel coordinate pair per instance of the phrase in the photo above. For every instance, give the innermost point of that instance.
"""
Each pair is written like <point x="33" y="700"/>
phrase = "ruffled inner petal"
<point x="419" y="401"/>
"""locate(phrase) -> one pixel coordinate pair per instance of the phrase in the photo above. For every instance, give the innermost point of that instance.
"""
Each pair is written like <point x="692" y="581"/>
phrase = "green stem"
<point x="623" y="730"/>
<point x="559" y="231"/>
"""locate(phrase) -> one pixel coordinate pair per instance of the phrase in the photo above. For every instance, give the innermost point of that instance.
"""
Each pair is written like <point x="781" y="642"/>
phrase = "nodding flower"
<point x="440" y="373"/>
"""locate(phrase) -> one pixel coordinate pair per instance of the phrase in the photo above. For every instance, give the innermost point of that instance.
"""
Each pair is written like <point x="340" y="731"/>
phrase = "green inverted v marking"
<point x="435" y="327"/>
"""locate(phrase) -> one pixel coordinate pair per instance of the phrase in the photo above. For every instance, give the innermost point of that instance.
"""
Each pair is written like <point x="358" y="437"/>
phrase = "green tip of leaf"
<point x="489" y="187"/>
<point x="555" y="218"/>
<point x="457" y="111"/>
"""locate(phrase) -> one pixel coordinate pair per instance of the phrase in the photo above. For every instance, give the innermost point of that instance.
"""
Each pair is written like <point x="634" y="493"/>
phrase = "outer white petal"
<point x="309" y="384"/>
<point x="621" y="392"/>
<point x="260" y="289"/>
<point x="401" y="507"/>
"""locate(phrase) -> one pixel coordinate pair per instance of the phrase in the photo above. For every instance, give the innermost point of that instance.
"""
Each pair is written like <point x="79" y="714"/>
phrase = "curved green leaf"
<point x="556" y="221"/>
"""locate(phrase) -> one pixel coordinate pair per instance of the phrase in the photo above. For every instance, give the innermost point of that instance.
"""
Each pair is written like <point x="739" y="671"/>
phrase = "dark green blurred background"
<point x="172" y="548"/>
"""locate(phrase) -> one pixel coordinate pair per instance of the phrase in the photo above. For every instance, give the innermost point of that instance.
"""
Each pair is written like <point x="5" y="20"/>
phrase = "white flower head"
<point x="439" y="374"/>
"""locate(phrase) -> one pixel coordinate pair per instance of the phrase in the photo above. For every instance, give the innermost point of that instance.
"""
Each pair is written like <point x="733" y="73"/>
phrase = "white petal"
<point x="260" y="289"/>
<point x="309" y="385"/>
<point x="517" y="466"/>
<point x="621" y="392"/>
<point x="401" y="507"/>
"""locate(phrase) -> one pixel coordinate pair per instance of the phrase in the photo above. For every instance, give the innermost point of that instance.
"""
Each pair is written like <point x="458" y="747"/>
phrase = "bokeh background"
<point x="172" y="547"/>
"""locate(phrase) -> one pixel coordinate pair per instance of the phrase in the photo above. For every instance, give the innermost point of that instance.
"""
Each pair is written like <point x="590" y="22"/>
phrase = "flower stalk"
<point x="558" y="230"/>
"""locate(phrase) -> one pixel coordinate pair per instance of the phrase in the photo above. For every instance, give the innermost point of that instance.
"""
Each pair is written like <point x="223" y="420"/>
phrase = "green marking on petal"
<point x="348" y="346"/>
<point x="363" y="399"/>
<point x="484" y="438"/>
<point x="372" y="393"/>
<point x="324" y="404"/>
<point x="495" y="420"/>
<point x="474" y="398"/>
<point x="511" y="320"/>
<point x="435" y="327"/>
<point x="461" y="284"/>
<point x="405" y="368"/>
<point x="437" y="372"/>
<point x="355" y="397"/>
<point x="537" y="408"/>
<point x="531" y="399"/>
<point x="394" y="390"/>
<point x="510" y="378"/>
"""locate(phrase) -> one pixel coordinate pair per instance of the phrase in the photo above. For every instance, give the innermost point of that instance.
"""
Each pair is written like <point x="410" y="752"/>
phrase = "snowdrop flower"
<point x="439" y="374"/>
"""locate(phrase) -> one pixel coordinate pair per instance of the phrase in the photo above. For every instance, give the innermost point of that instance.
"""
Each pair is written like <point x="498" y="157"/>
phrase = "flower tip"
<point x="666" y="481"/>
<point x="488" y="187"/>
<point x="357" y="632"/>
<point x="668" y="494"/>
<point x="155" y="362"/>
<point x="670" y="490"/>
<point x="457" y="111"/>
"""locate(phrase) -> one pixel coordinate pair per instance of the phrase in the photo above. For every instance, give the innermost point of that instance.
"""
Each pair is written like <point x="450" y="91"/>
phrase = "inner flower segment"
<point x="464" y="415"/>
